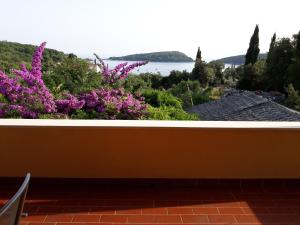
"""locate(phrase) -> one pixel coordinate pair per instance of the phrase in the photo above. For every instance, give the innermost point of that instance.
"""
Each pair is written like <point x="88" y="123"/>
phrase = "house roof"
<point x="244" y="106"/>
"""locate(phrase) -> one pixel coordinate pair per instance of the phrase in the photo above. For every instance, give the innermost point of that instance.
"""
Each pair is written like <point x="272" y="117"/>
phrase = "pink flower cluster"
<point x="120" y="72"/>
<point x="27" y="96"/>
<point x="114" y="104"/>
<point x="69" y="105"/>
<point x="26" y="92"/>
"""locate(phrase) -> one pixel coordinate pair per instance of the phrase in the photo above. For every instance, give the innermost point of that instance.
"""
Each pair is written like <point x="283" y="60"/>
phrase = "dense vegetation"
<point x="279" y="72"/>
<point x="172" y="56"/>
<point x="65" y="86"/>
<point x="13" y="54"/>
<point x="72" y="89"/>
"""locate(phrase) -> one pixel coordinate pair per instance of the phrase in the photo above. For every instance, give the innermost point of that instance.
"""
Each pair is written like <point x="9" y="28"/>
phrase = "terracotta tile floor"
<point x="93" y="203"/>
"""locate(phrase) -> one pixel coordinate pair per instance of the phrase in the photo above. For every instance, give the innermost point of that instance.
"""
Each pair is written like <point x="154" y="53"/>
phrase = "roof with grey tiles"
<point x="244" y="106"/>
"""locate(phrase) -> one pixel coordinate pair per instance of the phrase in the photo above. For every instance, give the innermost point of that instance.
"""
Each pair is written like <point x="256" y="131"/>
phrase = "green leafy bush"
<point x="170" y="113"/>
<point x="253" y="76"/>
<point x="191" y="93"/>
<point x="153" y="79"/>
<point x="175" y="77"/>
<point x="293" y="98"/>
<point x="72" y="75"/>
<point x="158" y="98"/>
<point x="136" y="84"/>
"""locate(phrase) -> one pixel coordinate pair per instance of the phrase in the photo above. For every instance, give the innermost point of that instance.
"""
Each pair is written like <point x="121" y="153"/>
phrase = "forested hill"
<point x="238" y="59"/>
<point x="171" y="56"/>
<point x="12" y="54"/>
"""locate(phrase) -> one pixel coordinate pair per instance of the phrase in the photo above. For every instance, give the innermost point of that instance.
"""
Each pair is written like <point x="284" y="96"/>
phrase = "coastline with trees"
<point x="72" y="82"/>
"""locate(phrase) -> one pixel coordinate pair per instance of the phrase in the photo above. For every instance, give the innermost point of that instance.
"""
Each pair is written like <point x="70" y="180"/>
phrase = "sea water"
<point x="164" y="68"/>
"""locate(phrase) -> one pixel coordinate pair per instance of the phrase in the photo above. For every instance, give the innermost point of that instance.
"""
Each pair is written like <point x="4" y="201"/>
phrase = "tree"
<point x="200" y="71"/>
<point x="136" y="84"/>
<point x="272" y="45"/>
<point x="279" y="62"/>
<point x="253" y="50"/>
<point x="72" y="75"/>
<point x="294" y="67"/>
<point x="72" y="56"/>
<point x="293" y="98"/>
<point x="232" y="75"/>
<point x="174" y="78"/>
<point x="198" y="56"/>
<point x="208" y="77"/>
<point x="218" y="68"/>
<point x="153" y="79"/>
<point x="252" y="77"/>
<point x="297" y="43"/>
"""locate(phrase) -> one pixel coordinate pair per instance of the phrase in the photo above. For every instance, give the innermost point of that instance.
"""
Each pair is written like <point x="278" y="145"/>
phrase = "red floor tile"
<point x="86" y="218"/>
<point x="231" y="211"/>
<point x="168" y="219"/>
<point x="59" y="218"/>
<point x="129" y="211"/>
<point x="141" y="219"/>
<point x="113" y="219"/>
<point x="180" y="210"/>
<point x="206" y="211"/>
<point x="155" y="211"/>
<point x="195" y="219"/>
<point x="225" y="219"/>
<point x="135" y="204"/>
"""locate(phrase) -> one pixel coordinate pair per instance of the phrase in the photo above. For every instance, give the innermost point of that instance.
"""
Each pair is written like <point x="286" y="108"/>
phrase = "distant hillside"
<point x="12" y="54"/>
<point x="172" y="56"/>
<point x="238" y="59"/>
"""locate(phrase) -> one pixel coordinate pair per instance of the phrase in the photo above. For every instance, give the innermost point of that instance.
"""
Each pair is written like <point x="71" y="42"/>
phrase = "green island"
<point x="238" y="59"/>
<point x="168" y="56"/>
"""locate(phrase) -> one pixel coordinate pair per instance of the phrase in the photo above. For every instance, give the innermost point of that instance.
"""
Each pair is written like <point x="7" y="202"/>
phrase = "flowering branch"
<point x="26" y="92"/>
<point x="25" y="95"/>
<point x="120" y="72"/>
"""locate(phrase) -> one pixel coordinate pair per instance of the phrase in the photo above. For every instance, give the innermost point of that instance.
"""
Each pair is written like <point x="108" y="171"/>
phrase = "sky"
<point x="121" y="27"/>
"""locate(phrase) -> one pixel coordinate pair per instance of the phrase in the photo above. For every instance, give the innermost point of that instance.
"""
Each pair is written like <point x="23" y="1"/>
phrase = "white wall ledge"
<point x="147" y="123"/>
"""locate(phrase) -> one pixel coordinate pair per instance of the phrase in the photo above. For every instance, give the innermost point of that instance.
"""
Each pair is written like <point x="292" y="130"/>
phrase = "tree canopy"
<point x="253" y="50"/>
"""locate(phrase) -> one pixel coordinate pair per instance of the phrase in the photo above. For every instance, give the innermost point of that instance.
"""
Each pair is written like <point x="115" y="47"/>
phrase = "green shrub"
<point x="153" y="79"/>
<point x="158" y="98"/>
<point x="253" y="77"/>
<point x="136" y="84"/>
<point x="191" y="93"/>
<point x="213" y="93"/>
<point x="174" y="78"/>
<point x="231" y="76"/>
<point x="170" y="113"/>
<point x="293" y="98"/>
<point x="72" y="75"/>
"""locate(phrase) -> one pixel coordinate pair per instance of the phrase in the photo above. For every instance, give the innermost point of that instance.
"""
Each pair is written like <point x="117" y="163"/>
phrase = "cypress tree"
<point x="199" y="68"/>
<point x="253" y="50"/>
<point x="198" y="56"/>
<point x="294" y="67"/>
<point x="272" y="45"/>
<point x="298" y="43"/>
